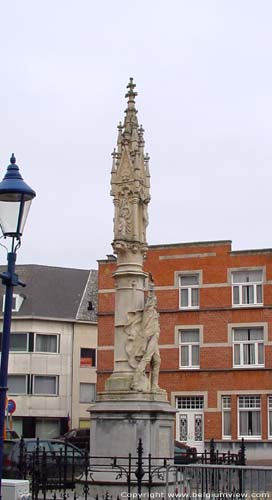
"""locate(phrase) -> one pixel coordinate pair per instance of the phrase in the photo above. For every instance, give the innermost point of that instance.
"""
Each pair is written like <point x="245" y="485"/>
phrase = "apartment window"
<point x="19" y="342"/>
<point x="226" y="417"/>
<point x="86" y="393"/>
<point x="270" y="416"/>
<point x="46" y="343"/>
<point x="17" y="384"/>
<point x="248" y="347"/>
<point x="247" y="288"/>
<point x="189" y="291"/>
<point x="45" y="385"/>
<point x="87" y="357"/>
<point x="189" y="348"/>
<point x="249" y="416"/>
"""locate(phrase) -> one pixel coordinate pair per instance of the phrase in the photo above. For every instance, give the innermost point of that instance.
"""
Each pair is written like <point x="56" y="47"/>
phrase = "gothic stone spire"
<point x="130" y="181"/>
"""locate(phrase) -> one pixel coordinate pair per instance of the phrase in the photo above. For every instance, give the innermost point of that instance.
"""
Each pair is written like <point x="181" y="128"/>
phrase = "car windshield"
<point x="60" y="447"/>
<point x="32" y="445"/>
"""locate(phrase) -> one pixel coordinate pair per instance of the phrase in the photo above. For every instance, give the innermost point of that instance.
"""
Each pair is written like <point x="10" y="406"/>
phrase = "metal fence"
<point x="140" y="477"/>
<point x="218" y="481"/>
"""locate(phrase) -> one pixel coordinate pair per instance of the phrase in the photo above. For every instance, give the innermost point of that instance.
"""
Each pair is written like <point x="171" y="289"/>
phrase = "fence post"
<point x="212" y="452"/>
<point x="139" y="472"/>
<point x="242" y="453"/>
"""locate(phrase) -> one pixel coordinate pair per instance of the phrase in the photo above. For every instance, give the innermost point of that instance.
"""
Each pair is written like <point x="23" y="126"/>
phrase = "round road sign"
<point x="11" y="406"/>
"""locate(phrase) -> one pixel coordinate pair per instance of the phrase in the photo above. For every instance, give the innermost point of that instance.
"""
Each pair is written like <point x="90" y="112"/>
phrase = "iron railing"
<point x="218" y="481"/>
<point x="138" y="477"/>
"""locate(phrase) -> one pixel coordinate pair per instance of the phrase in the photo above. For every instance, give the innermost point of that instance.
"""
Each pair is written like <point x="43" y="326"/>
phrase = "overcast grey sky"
<point x="204" y="80"/>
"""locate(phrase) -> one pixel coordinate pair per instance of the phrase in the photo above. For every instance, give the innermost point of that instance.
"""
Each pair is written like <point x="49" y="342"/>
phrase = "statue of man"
<point x="143" y="330"/>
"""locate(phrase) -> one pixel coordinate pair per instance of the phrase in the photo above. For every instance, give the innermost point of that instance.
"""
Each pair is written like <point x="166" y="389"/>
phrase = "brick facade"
<point x="215" y="313"/>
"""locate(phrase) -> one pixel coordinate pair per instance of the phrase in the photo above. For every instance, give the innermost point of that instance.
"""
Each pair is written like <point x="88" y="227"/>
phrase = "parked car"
<point x="51" y="458"/>
<point x="79" y="438"/>
<point x="184" y="454"/>
<point x="11" y="434"/>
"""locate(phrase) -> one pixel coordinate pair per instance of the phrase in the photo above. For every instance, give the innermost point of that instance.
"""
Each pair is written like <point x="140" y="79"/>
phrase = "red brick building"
<point x="215" y="309"/>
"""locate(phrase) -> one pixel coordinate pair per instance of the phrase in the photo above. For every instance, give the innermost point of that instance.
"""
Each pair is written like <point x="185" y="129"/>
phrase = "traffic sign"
<point x="11" y="406"/>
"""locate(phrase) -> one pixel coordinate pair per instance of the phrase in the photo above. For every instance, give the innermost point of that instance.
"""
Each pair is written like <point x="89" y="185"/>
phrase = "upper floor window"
<point x="249" y="409"/>
<point x="17" y="384"/>
<point x="189" y="291"/>
<point x="19" y="342"/>
<point x="226" y="417"/>
<point x="87" y="357"/>
<point x="46" y="385"/>
<point x="247" y="287"/>
<point x="33" y="342"/>
<point x="46" y="343"/>
<point x="87" y="392"/>
<point x="189" y="348"/>
<point x="248" y="347"/>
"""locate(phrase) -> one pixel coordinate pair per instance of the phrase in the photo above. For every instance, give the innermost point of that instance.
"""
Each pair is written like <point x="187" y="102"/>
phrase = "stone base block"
<point x="119" y="420"/>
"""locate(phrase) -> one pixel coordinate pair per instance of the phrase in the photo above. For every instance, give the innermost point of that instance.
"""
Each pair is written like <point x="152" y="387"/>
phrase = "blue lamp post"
<point x="15" y="200"/>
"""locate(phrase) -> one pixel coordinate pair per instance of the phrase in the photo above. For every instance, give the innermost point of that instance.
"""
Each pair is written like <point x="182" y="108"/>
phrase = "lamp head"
<point x="15" y="200"/>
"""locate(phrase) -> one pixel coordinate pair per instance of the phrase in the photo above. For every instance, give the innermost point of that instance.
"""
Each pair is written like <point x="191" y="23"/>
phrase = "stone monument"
<point x="133" y="405"/>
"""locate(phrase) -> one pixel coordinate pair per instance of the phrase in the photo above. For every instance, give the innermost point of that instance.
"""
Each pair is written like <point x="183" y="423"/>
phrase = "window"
<point x="18" y="342"/>
<point x="17" y="384"/>
<point x="189" y="348"/>
<point x="249" y="416"/>
<point x="17" y="301"/>
<point x="45" y="384"/>
<point x="87" y="357"/>
<point x="190" y="402"/>
<point x="247" y="288"/>
<point x="189" y="291"/>
<point x="86" y="393"/>
<point x="270" y="416"/>
<point x="46" y="343"/>
<point x="226" y="417"/>
<point x="248" y="347"/>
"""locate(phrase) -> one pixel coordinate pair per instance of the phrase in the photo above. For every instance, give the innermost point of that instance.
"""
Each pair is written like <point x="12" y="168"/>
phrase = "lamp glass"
<point x="14" y="208"/>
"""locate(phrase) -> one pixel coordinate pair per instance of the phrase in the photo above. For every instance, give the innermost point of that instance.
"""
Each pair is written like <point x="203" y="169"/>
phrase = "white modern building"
<point x="52" y="361"/>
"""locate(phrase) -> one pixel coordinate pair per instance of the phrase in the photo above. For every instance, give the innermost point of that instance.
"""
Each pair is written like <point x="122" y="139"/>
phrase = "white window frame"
<point x="89" y="384"/>
<point x="242" y="343"/>
<point x="245" y="284"/>
<point x="189" y="344"/>
<point x="253" y="406"/>
<point x="27" y="342"/>
<point x="226" y="408"/>
<point x="16" y="392"/>
<point x="44" y="393"/>
<point x="189" y="288"/>
<point x="17" y="300"/>
<point x="189" y="402"/>
<point x="47" y="334"/>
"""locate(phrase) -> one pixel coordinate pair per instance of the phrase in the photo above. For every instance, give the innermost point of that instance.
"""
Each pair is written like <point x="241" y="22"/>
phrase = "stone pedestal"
<point x="119" y="420"/>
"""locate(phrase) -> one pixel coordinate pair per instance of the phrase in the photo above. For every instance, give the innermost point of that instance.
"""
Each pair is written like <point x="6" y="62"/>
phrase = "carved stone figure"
<point x="143" y="330"/>
<point x="124" y="222"/>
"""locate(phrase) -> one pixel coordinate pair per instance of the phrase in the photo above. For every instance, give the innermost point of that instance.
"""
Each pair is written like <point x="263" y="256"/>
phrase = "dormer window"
<point x="17" y="301"/>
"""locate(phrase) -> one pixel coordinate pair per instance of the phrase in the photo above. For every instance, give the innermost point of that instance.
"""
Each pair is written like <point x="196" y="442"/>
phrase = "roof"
<point x="56" y="292"/>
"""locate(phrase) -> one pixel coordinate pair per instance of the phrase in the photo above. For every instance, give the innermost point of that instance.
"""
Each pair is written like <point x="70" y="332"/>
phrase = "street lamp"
<point x="15" y="200"/>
